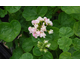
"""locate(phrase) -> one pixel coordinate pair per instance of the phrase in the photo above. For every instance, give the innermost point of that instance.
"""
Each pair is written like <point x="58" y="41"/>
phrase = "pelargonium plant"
<point x="28" y="32"/>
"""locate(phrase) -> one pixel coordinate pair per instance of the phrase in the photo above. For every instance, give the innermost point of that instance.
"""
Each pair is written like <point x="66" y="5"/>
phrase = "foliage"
<point x="64" y="42"/>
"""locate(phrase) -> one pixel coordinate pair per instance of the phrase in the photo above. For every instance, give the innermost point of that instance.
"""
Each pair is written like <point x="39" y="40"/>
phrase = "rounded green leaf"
<point x="72" y="50"/>
<point x="76" y="16"/>
<point x="54" y="35"/>
<point x="76" y="28"/>
<point x="17" y="53"/>
<point x="76" y="43"/>
<point x="12" y="9"/>
<point x="65" y="55"/>
<point x="47" y="55"/>
<point x="29" y="13"/>
<point x="26" y="56"/>
<point x="32" y="12"/>
<point x="36" y="51"/>
<point x="76" y="55"/>
<point x="66" y="20"/>
<point x="54" y="44"/>
<point x="9" y="44"/>
<point x="64" y="43"/>
<point x="27" y="45"/>
<point x="71" y="9"/>
<point x="42" y="10"/>
<point x="56" y="23"/>
<point x="65" y="31"/>
<point x="9" y="31"/>
<point x="2" y="12"/>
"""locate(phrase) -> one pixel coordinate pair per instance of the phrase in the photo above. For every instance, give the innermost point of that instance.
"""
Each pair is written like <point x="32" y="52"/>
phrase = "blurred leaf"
<point x="54" y="35"/>
<point x="36" y="51"/>
<point x="47" y="55"/>
<point x="2" y="12"/>
<point x="71" y="9"/>
<point x="65" y="55"/>
<point x="49" y="12"/>
<point x="76" y="16"/>
<point x="9" y="44"/>
<point x="76" y="43"/>
<point x="12" y="9"/>
<point x="26" y="56"/>
<point x="32" y="12"/>
<point x="66" y="20"/>
<point x="76" y="28"/>
<point x="65" y="31"/>
<point x="56" y="23"/>
<point x="72" y="50"/>
<point x="29" y="13"/>
<point x="27" y="45"/>
<point x="17" y="53"/>
<point x="64" y="43"/>
<point x="76" y="55"/>
<point x="54" y="44"/>
<point x="9" y="31"/>
<point x="42" y="10"/>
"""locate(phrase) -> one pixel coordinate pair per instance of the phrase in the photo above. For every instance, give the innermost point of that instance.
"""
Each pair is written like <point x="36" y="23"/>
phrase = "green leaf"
<point x="26" y="56"/>
<point x="9" y="31"/>
<point x="49" y="12"/>
<point x="66" y="20"/>
<point x="55" y="34"/>
<point x="56" y="23"/>
<point x="2" y="12"/>
<point x="47" y="55"/>
<point x="64" y="43"/>
<point x="72" y="50"/>
<point x="76" y="28"/>
<point x="27" y="45"/>
<point x="42" y="10"/>
<point x="71" y="9"/>
<point x="76" y="55"/>
<point x="36" y="51"/>
<point x="65" y="31"/>
<point x="21" y="39"/>
<point x="65" y="55"/>
<point x="32" y="12"/>
<point x="9" y="44"/>
<point x="54" y="44"/>
<point x="76" y="43"/>
<point x="76" y="16"/>
<point x="17" y="53"/>
<point x="12" y="9"/>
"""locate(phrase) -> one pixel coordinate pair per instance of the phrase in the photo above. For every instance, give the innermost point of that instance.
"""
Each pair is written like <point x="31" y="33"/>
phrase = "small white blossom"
<point x="50" y="31"/>
<point x="45" y="50"/>
<point x="48" y="45"/>
<point x="45" y="41"/>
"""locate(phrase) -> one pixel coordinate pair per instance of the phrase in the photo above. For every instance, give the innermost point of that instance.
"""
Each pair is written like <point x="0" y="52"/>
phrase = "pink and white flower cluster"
<point x="39" y="27"/>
